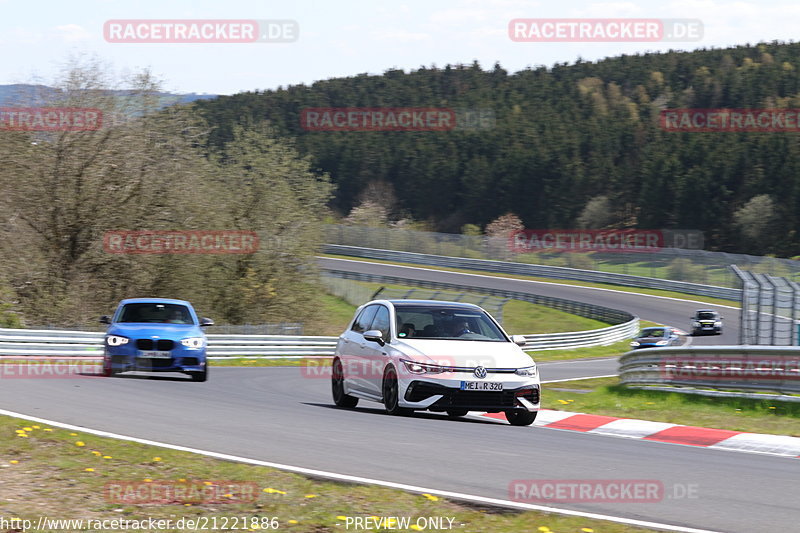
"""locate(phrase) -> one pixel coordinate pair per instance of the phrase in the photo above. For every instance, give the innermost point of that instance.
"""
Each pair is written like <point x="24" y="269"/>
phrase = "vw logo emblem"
<point x="480" y="372"/>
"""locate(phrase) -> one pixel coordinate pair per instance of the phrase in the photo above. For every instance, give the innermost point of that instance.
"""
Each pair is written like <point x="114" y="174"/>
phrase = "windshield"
<point x="446" y="324"/>
<point x="156" y="312"/>
<point x="706" y="315"/>
<point x="658" y="332"/>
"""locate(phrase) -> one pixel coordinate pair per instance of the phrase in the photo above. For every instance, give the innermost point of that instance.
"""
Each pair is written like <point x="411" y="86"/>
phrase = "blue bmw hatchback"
<point x="155" y="335"/>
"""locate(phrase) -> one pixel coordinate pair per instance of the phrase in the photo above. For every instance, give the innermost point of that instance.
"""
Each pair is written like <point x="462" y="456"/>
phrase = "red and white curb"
<point x="720" y="439"/>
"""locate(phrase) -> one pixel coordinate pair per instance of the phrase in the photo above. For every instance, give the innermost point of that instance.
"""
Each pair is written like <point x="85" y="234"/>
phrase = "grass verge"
<point x="605" y="396"/>
<point x="63" y="474"/>
<point x="622" y="288"/>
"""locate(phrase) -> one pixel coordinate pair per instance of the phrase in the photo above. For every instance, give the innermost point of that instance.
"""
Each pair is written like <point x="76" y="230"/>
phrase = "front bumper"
<point x="126" y="358"/>
<point x="446" y="394"/>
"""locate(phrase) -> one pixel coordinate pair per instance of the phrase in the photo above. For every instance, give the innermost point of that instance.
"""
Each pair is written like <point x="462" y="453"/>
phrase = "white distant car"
<point x="433" y="355"/>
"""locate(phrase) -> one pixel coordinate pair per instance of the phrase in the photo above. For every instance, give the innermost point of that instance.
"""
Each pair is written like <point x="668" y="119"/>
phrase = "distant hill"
<point x="564" y="135"/>
<point x="21" y="92"/>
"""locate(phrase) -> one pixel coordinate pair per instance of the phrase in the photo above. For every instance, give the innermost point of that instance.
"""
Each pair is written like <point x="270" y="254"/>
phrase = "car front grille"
<point x="163" y="345"/>
<point x="473" y="400"/>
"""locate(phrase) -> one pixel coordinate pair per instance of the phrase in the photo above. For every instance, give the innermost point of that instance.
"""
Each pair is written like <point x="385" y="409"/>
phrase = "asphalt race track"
<point x="280" y="415"/>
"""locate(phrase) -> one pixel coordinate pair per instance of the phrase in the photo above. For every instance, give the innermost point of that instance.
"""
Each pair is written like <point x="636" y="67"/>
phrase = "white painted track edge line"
<point x="578" y="379"/>
<point x="362" y="480"/>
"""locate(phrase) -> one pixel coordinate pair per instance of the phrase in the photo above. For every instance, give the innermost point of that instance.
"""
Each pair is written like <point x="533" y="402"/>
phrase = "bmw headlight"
<point x="116" y="340"/>
<point x="422" y="368"/>
<point x="194" y="342"/>
<point x="635" y="343"/>
<point x="528" y="371"/>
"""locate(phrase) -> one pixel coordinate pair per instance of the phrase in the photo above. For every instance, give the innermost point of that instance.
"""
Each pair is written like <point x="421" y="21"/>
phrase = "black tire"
<point x="521" y="418"/>
<point x="456" y="413"/>
<point x="337" y="387"/>
<point x="391" y="394"/>
<point x="200" y="376"/>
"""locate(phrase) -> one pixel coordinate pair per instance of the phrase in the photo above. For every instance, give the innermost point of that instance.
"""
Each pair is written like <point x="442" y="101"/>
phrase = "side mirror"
<point x="105" y="319"/>
<point x="519" y="340"/>
<point x="206" y="322"/>
<point x="374" y="335"/>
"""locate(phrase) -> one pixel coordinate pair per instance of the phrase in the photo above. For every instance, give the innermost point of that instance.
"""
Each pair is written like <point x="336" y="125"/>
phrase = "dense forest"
<point x="572" y="144"/>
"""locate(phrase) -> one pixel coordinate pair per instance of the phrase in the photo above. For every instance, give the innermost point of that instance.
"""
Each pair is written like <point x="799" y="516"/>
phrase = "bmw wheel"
<point x="200" y="376"/>
<point x="340" y="398"/>
<point x="521" y="418"/>
<point x="391" y="394"/>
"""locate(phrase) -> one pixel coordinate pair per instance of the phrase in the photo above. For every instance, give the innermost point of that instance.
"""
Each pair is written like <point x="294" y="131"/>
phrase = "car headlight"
<point x="116" y="340"/>
<point x="717" y="324"/>
<point x="528" y="371"/>
<point x="662" y="343"/>
<point x="194" y="342"/>
<point x="422" y="368"/>
<point x="695" y="324"/>
<point x="635" y="343"/>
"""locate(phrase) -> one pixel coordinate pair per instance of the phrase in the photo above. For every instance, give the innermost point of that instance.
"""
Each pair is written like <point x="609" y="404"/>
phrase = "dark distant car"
<point x="155" y="335"/>
<point x="656" y="337"/>
<point x="706" y="322"/>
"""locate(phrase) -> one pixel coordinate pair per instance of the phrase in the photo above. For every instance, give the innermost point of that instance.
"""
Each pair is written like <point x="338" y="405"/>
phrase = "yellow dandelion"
<point x="431" y="497"/>
<point x="310" y="495"/>
<point x="227" y="495"/>
<point x="587" y="530"/>
<point x="80" y="444"/>
<point x="187" y="504"/>
<point x="772" y="407"/>
<point x="14" y="462"/>
<point x="415" y="527"/>
<point x="293" y="521"/>
<point x="270" y="490"/>
<point x="95" y="452"/>
<point x="563" y="402"/>
<point x="88" y="469"/>
<point x="156" y="459"/>
<point x="107" y="457"/>
<point x="207" y="483"/>
<point x="73" y="434"/>
<point x="22" y="435"/>
<point x="340" y="517"/>
<point x="182" y="480"/>
<point x="544" y="529"/>
<point x="19" y="431"/>
<point x="28" y="428"/>
<point x="47" y="429"/>
<point x="35" y="427"/>
<point x="147" y="480"/>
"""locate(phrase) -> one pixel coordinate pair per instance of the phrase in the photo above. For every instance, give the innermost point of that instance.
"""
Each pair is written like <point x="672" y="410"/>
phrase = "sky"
<point x="348" y="37"/>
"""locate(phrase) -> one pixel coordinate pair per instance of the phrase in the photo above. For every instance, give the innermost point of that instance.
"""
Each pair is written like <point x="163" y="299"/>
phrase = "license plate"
<point x="154" y="354"/>
<point x="482" y="385"/>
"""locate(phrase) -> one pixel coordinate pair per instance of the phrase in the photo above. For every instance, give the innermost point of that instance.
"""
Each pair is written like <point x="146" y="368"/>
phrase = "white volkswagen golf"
<point x="441" y="356"/>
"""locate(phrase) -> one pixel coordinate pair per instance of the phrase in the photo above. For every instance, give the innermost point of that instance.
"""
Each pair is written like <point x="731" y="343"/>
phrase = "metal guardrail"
<point x="624" y="324"/>
<point x="55" y="343"/>
<point x="553" y="272"/>
<point x="759" y="368"/>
